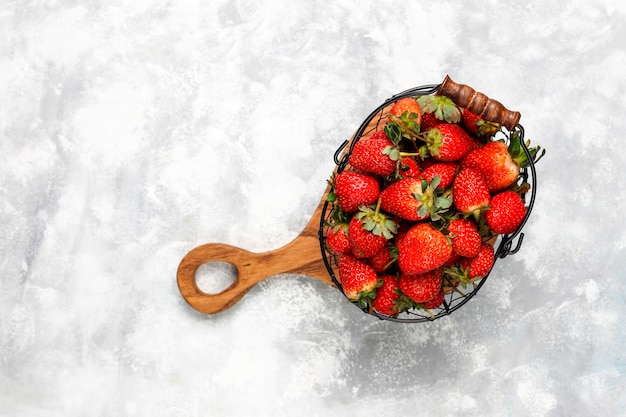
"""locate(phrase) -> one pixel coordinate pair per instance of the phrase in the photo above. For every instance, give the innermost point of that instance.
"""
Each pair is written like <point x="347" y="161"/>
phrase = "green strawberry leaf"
<point x="434" y="183"/>
<point x="443" y="202"/>
<point x="393" y="152"/>
<point x="443" y="107"/>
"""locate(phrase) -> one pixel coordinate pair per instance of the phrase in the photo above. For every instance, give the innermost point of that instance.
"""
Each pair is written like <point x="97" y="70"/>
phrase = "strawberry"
<point x="506" y="213"/>
<point x="495" y="163"/>
<point x="373" y="156"/>
<point x="413" y="199"/>
<point x="478" y="126"/>
<point x="423" y="287"/>
<point x="379" y="134"/>
<point x="358" y="279"/>
<point x="441" y="107"/>
<point x="337" y="239"/>
<point x="500" y="163"/>
<point x="387" y="296"/>
<point x="466" y="240"/>
<point x="479" y="266"/>
<point x="363" y="243"/>
<point x="406" y="106"/>
<point x="454" y="258"/>
<point x="429" y="120"/>
<point x="445" y="170"/>
<point x="405" y="116"/>
<point x="403" y="228"/>
<point x="353" y="189"/>
<point x="423" y="249"/>
<point x="448" y="142"/>
<point x="382" y="260"/>
<point x="403" y="199"/>
<point x="368" y="231"/>
<point x="470" y="193"/>
<point x="407" y="167"/>
<point x="436" y="301"/>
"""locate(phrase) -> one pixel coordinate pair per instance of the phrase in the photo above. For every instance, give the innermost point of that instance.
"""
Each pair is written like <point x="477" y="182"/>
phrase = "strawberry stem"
<point x="432" y="316"/>
<point x="409" y="154"/>
<point x="377" y="210"/>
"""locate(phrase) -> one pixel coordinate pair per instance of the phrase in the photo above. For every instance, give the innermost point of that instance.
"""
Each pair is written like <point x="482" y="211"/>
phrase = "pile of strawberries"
<point x="418" y="206"/>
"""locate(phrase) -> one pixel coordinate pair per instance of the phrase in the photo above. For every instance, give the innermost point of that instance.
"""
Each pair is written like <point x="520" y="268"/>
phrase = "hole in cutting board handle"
<point x="215" y="276"/>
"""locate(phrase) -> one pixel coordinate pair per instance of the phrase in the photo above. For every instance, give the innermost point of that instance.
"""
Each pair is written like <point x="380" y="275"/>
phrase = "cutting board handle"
<point x="302" y="256"/>
<point x="478" y="103"/>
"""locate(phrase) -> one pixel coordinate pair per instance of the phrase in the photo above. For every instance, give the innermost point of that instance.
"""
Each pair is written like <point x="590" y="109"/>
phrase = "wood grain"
<point x="479" y="104"/>
<point x="301" y="256"/>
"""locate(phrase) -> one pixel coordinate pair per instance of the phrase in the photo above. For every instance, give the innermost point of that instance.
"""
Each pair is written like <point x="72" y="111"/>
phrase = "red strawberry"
<point x="373" y="156"/>
<point x="421" y="288"/>
<point x="358" y="279"/>
<point x="379" y="134"/>
<point x="466" y="240"/>
<point x="408" y="167"/>
<point x="428" y="162"/>
<point x="423" y="249"/>
<point x="386" y="296"/>
<point x="353" y="189"/>
<point x="495" y="163"/>
<point x="414" y="199"/>
<point x="363" y="243"/>
<point x="406" y="106"/>
<point x="478" y="126"/>
<point x="506" y="213"/>
<point x="448" y="142"/>
<point x="480" y="265"/>
<point x="470" y="193"/>
<point x="403" y="199"/>
<point x="368" y="232"/>
<point x="429" y="120"/>
<point x="403" y="229"/>
<point x="441" y="107"/>
<point x="445" y="170"/>
<point x="337" y="239"/>
<point x="454" y="258"/>
<point x="405" y="117"/>
<point x="382" y="260"/>
<point x="436" y="301"/>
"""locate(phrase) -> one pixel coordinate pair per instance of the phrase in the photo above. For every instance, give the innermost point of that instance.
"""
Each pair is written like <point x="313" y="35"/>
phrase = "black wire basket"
<point x="456" y="295"/>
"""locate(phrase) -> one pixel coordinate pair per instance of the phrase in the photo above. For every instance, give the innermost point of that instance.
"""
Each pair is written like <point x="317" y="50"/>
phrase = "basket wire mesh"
<point x="455" y="295"/>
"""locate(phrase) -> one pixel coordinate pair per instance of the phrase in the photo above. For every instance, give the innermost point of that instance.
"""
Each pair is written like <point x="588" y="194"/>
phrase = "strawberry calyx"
<point x="486" y="128"/>
<point x="364" y="298"/>
<point x="393" y="253"/>
<point x="459" y="274"/>
<point x="480" y="127"/>
<point x="404" y="303"/>
<point x="396" y="130"/>
<point x="434" y="142"/>
<point x="517" y="152"/>
<point x="477" y="214"/>
<point x="434" y="200"/>
<point x="443" y="107"/>
<point x="394" y="153"/>
<point x="338" y="216"/>
<point x="376" y="222"/>
<point x="408" y="123"/>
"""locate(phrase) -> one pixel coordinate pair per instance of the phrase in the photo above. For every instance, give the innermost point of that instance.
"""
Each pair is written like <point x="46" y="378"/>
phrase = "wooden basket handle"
<point x="478" y="103"/>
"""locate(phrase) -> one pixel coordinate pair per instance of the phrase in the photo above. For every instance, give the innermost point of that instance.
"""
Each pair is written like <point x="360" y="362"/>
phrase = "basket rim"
<point x="505" y="242"/>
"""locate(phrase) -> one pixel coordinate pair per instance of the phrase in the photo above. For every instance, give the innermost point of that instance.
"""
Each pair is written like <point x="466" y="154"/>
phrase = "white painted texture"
<point x="131" y="132"/>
